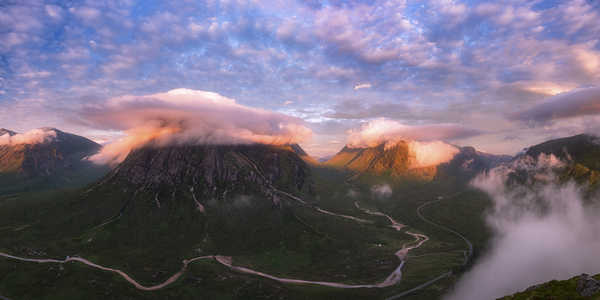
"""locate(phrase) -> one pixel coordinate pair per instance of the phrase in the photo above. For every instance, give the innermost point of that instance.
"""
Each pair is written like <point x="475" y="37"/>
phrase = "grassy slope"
<point x="555" y="289"/>
<point x="151" y="246"/>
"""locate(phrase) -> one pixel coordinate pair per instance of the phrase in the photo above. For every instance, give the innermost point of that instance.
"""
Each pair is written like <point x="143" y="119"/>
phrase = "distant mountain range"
<point x="57" y="160"/>
<point x="398" y="162"/>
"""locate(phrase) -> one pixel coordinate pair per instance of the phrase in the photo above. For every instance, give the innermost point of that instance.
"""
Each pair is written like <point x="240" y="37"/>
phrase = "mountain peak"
<point x="4" y="131"/>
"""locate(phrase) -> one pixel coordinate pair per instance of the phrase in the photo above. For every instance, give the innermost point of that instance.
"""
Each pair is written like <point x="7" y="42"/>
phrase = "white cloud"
<point x="362" y="86"/>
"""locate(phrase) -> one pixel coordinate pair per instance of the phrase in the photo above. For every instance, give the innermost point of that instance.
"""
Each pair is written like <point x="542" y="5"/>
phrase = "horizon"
<point x="498" y="77"/>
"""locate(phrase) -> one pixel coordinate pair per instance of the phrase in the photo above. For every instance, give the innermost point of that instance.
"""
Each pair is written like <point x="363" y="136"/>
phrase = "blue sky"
<point x="334" y="64"/>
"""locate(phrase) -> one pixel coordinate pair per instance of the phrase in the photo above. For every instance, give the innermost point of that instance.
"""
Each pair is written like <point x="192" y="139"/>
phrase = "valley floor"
<point x="361" y="249"/>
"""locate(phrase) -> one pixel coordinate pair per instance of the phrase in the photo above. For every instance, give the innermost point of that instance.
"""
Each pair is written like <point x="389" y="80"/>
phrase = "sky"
<point x="508" y="74"/>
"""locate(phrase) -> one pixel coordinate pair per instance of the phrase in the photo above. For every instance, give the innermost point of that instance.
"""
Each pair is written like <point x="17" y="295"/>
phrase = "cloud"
<point x="34" y="136"/>
<point x="543" y="230"/>
<point x="382" y="190"/>
<point x="579" y="102"/>
<point x="188" y="116"/>
<point x="362" y="86"/>
<point x="382" y="130"/>
<point x="427" y="154"/>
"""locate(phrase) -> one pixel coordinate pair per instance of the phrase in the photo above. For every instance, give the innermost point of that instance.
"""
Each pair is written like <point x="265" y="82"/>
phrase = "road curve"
<point x="392" y="279"/>
<point x="469" y="251"/>
<point x="137" y="285"/>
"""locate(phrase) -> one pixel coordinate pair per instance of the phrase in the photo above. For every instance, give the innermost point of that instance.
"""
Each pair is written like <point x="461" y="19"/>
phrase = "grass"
<point x="295" y="242"/>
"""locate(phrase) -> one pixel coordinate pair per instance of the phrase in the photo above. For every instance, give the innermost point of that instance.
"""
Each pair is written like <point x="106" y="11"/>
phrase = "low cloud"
<point x="383" y="130"/>
<point x="579" y="102"/>
<point x="543" y="231"/>
<point x="428" y="154"/>
<point x="34" y="136"/>
<point x="188" y="116"/>
<point x="382" y="190"/>
<point x="424" y="142"/>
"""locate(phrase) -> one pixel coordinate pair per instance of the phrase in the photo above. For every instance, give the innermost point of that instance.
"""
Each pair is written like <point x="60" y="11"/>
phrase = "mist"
<point x="381" y="190"/>
<point x="184" y="116"/>
<point x="543" y="230"/>
<point x="34" y="136"/>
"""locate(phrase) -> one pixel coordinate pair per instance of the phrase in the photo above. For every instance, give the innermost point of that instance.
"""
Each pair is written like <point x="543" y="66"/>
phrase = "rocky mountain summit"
<point x="213" y="171"/>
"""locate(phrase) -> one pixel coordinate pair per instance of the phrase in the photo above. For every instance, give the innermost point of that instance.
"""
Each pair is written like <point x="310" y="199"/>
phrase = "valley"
<point x="354" y="214"/>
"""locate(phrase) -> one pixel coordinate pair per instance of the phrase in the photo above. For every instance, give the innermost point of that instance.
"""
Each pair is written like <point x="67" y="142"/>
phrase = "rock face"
<point x="581" y="153"/>
<point x="397" y="161"/>
<point x="587" y="286"/>
<point x="62" y="152"/>
<point x="213" y="171"/>
<point x="467" y="163"/>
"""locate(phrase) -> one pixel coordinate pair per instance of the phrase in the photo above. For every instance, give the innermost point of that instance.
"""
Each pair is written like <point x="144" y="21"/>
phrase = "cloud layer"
<point x="188" y="116"/>
<point x="579" y="102"/>
<point x="383" y="130"/>
<point x="34" y="136"/>
<point x="543" y="231"/>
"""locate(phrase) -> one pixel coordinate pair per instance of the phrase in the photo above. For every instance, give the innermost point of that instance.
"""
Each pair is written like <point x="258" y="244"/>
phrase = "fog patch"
<point x="381" y="191"/>
<point x="542" y="231"/>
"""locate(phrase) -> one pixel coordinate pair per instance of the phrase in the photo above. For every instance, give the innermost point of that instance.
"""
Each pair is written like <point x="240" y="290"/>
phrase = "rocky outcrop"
<point x="213" y="171"/>
<point x="587" y="286"/>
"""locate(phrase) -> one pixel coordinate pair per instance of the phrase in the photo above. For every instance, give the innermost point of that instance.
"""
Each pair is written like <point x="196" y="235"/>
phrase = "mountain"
<point x="214" y="170"/>
<point x="222" y="198"/>
<point x="581" y="287"/>
<point x="467" y="163"/>
<point x="398" y="161"/>
<point x="302" y="154"/>
<point x="581" y="153"/>
<point x="56" y="159"/>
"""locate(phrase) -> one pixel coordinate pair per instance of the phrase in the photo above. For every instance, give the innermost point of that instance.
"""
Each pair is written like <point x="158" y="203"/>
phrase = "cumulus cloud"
<point x="34" y="136"/>
<point x="188" y="116"/>
<point x="362" y="86"/>
<point x="579" y="102"/>
<point x="382" y="130"/>
<point x="543" y="231"/>
<point x="381" y="190"/>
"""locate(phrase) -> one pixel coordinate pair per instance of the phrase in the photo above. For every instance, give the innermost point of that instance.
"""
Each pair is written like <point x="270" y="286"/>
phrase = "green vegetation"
<point x="290" y="240"/>
<point x="555" y="289"/>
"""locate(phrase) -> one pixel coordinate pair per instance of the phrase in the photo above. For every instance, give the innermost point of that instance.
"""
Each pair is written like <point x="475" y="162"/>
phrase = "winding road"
<point x="469" y="251"/>
<point x="392" y="279"/>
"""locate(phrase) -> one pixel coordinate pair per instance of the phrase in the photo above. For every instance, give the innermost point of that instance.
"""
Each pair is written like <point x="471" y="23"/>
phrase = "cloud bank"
<point x="543" y="231"/>
<point x="579" y="102"/>
<point x="34" y="136"/>
<point x="382" y="130"/>
<point x="188" y="116"/>
<point x="424" y="142"/>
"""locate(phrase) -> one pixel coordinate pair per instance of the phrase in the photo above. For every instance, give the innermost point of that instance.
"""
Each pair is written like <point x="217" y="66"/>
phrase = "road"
<point x="392" y="279"/>
<point x="469" y="251"/>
